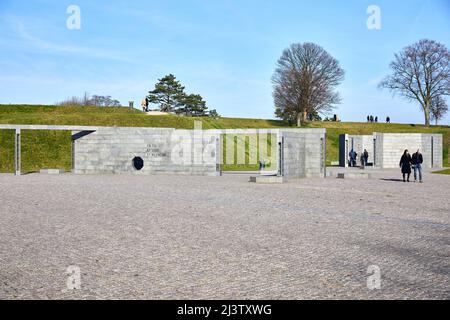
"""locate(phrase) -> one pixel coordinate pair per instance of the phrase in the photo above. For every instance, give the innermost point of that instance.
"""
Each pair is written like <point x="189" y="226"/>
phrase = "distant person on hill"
<point x="416" y="161"/>
<point x="144" y="104"/>
<point x="368" y="118"/>
<point x="388" y="120"/>
<point x="371" y="119"/>
<point x="376" y="119"/>
<point x="405" y="164"/>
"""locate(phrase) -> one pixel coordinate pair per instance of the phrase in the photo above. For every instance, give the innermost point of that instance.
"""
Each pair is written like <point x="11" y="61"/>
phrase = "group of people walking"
<point x="373" y="119"/>
<point x="415" y="162"/>
<point x="408" y="163"/>
<point x="363" y="158"/>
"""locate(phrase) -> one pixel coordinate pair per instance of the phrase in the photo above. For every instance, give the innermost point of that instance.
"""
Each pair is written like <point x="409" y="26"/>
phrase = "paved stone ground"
<point x="171" y="237"/>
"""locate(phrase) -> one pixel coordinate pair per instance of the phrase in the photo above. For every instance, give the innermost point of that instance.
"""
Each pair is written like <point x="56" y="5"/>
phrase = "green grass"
<point x="121" y="117"/>
<point x="248" y="164"/>
<point x="51" y="149"/>
<point x="446" y="171"/>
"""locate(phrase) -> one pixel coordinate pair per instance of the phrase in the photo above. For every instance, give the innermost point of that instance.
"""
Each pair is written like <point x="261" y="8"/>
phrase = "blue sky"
<point x="226" y="50"/>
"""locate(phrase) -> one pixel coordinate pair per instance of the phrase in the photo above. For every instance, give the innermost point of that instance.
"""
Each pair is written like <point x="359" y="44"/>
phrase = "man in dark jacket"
<point x="353" y="156"/>
<point x="366" y="157"/>
<point x="416" y="161"/>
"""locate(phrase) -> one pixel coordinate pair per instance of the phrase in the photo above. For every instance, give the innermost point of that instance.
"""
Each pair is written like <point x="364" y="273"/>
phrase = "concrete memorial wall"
<point x="304" y="153"/>
<point x="195" y="152"/>
<point x="391" y="146"/>
<point x="386" y="149"/>
<point x="117" y="150"/>
<point x="114" y="150"/>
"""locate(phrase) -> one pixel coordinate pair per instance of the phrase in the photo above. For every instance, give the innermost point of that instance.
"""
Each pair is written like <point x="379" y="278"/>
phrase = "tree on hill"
<point x="438" y="108"/>
<point x="168" y="94"/>
<point x="305" y="81"/>
<point x="87" y="100"/>
<point x="193" y="105"/>
<point x="103" y="101"/>
<point x="421" y="72"/>
<point x="213" y="114"/>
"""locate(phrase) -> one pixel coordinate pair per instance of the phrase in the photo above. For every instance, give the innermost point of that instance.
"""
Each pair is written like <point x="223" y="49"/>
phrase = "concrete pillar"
<point x="375" y="152"/>
<point x="280" y="154"/>
<point x="73" y="154"/>
<point x="17" y="153"/>
<point x="324" y="155"/>
<point x="343" y="150"/>
<point x="432" y="152"/>
<point x="219" y="154"/>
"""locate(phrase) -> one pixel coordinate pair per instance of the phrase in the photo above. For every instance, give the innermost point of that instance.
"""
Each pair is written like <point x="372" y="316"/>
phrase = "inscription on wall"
<point x="154" y="151"/>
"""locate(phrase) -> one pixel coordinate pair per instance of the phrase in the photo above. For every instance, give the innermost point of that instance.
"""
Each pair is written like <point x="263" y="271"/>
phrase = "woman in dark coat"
<point x="405" y="164"/>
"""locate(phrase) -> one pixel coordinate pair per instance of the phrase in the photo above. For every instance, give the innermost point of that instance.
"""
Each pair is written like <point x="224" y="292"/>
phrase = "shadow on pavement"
<point x="392" y="180"/>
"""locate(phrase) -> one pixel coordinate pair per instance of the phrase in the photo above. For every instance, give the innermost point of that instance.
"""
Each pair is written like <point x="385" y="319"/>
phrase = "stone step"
<point x="51" y="171"/>
<point x="267" y="179"/>
<point x="354" y="175"/>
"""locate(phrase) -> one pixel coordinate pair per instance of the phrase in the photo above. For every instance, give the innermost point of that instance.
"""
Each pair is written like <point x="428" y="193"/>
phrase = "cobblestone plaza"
<point x="190" y="237"/>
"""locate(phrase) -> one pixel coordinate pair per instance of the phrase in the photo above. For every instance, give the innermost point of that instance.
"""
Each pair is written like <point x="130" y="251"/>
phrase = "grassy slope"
<point x="446" y="171"/>
<point x="52" y="149"/>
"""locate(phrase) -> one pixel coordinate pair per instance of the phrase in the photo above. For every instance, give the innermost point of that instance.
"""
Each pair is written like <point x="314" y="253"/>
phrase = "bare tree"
<point x="87" y="100"/>
<point x="304" y="82"/>
<point x="421" y="72"/>
<point x="438" y="108"/>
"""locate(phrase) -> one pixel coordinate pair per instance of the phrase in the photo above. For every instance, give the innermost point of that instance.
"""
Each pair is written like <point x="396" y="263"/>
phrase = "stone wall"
<point x="194" y="152"/>
<point x="304" y="153"/>
<point x="392" y="146"/>
<point x="386" y="149"/>
<point x="112" y="150"/>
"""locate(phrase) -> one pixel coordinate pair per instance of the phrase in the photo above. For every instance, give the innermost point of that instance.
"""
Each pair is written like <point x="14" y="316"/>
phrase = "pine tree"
<point x="168" y="94"/>
<point x="214" y="114"/>
<point x="193" y="105"/>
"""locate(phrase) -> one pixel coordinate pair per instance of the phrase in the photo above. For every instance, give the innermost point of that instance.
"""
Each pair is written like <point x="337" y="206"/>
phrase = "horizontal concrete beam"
<point x="46" y="127"/>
